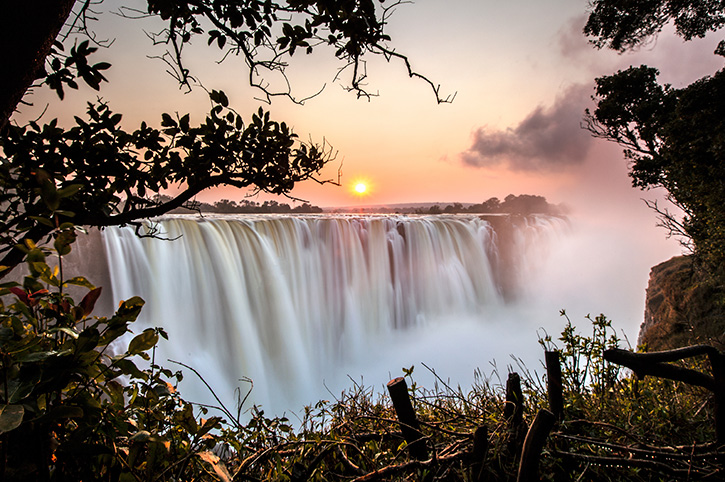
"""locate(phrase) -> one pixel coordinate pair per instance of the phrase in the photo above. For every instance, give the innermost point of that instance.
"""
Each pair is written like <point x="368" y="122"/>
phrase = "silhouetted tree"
<point x="98" y="174"/>
<point x="672" y="138"/>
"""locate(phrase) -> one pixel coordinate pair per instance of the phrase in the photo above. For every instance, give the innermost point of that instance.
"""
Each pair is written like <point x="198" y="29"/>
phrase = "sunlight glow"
<point x="360" y="188"/>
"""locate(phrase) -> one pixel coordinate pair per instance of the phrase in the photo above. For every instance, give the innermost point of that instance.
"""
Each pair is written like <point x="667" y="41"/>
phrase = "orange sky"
<point x="504" y="61"/>
<point x="522" y="73"/>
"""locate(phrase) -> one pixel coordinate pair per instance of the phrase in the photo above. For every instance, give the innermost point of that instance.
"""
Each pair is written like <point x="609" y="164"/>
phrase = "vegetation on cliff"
<point x="672" y="138"/>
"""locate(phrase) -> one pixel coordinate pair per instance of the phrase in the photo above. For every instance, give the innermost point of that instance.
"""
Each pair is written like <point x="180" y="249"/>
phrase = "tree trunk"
<point x="27" y="31"/>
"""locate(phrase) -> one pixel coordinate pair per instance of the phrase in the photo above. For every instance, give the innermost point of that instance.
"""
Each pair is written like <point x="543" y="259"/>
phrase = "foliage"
<point x="673" y="139"/>
<point x="72" y="406"/>
<point x="623" y="25"/>
<point x="105" y="175"/>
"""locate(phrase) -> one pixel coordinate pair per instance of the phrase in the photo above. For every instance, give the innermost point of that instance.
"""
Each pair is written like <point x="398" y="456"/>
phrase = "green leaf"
<point x="87" y="340"/>
<point x="63" y="412"/>
<point x="80" y="281"/>
<point x="63" y="241"/>
<point x="69" y="190"/>
<point x="128" y="367"/>
<point x="18" y="390"/>
<point x="42" y="355"/>
<point x="140" y="436"/>
<point x="11" y="416"/>
<point x="143" y="341"/>
<point x="68" y="331"/>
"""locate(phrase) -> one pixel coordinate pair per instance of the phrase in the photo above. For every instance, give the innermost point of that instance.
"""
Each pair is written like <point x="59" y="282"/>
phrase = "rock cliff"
<point x="681" y="308"/>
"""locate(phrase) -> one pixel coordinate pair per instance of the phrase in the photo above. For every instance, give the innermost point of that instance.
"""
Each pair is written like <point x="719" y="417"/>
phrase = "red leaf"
<point x="20" y="293"/>
<point x="89" y="301"/>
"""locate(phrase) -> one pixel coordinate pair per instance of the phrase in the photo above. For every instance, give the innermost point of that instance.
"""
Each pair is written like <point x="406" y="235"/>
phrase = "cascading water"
<point x="292" y="301"/>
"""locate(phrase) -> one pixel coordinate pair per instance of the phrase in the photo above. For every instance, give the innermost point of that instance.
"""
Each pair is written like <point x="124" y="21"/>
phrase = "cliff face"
<point x="681" y="308"/>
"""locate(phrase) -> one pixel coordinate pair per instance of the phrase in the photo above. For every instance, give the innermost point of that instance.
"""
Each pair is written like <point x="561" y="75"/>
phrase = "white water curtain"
<point x="286" y="300"/>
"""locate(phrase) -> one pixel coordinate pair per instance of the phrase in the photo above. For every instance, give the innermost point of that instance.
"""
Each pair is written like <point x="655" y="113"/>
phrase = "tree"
<point x="95" y="173"/>
<point x="625" y="24"/>
<point x="672" y="138"/>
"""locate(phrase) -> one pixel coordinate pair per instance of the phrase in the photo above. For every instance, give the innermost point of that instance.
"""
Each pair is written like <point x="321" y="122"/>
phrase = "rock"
<point x="682" y="307"/>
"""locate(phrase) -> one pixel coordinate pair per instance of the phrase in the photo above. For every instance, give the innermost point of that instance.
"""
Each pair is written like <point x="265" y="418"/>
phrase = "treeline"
<point x="512" y="204"/>
<point x="225" y="206"/>
<point x="523" y="204"/>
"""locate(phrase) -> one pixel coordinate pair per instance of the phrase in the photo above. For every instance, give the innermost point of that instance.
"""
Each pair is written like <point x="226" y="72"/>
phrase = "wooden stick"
<point x="398" y="390"/>
<point x="533" y="445"/>
<point x="717" y="361"/>
<point x="514" y="409"/>
<point x="554" y="384"/>
<point x="478" y="454"/>
<point x="643" y="364"/>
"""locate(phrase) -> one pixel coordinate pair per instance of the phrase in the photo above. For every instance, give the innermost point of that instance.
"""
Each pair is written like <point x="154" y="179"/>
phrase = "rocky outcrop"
<point x="681" y="308"/>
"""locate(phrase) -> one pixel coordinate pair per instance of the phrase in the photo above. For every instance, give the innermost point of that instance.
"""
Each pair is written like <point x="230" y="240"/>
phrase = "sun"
<point x="361" y="187"/>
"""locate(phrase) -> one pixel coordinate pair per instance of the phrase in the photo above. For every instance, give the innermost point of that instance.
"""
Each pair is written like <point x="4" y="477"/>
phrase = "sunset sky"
<point x="522" y="74"/>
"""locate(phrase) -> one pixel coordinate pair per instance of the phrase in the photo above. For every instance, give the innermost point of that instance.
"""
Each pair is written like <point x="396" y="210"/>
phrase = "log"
<point x="653" y="364"/>
<point x="533" y="445"/>
<point x="398" y="390"/>
<point x="478" y="454"/>
<point x="718" y="373"/>
<point x="513" y="412"/>
<point x="554" y="383"/>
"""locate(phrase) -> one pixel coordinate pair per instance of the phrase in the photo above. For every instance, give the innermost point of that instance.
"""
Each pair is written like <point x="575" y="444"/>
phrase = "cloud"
<point x="573" y="44"/>
<point x="548" y="139"/>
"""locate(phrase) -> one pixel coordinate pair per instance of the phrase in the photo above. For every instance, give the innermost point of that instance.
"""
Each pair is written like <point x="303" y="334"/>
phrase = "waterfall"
<point x="289" y="301"/>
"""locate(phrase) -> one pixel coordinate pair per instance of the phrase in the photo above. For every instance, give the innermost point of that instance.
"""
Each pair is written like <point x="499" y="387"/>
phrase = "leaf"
<point x="89" y="301"/>
<point x="143" y="341"/>
<point x="18" y="390"/>
<point x="63" y="412"/>
<point x="219" y="468"/>
<point x="167" y="120"/>
<point x="68" y="331"/>
<point x="20" y="293"/>
<point x="11" y="416"/>
<point x="208" y="425"/>
<point x="62" y="243"/>
<point x="69" y="190"/>
<point x="128" y="367"/>
<point x="140" y="436"/>
<point x="219" y="97"/>
<point x="80" y="281"/>
<point x="42" y="355"/>
<point x="87" y="340"/>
